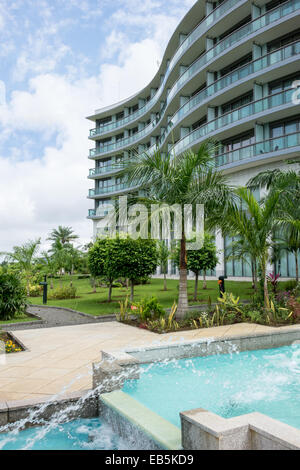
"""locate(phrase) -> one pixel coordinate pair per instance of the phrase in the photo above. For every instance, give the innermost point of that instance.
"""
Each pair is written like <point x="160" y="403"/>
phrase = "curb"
<point x="85" y="315"/>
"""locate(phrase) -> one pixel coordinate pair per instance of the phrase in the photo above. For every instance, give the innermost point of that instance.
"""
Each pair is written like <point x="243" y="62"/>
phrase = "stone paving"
<point x="59" y="360"/>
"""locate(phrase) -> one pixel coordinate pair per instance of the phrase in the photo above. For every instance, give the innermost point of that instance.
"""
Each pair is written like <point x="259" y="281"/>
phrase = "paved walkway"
<point x="53" y="317"/>
<point x="61" y="358"/>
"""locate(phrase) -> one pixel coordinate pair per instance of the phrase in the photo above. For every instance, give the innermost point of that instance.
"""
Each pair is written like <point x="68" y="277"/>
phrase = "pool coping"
<point x="16" y="410"/>
<point x="159" y="430"/>
<point x="200" y="429"/>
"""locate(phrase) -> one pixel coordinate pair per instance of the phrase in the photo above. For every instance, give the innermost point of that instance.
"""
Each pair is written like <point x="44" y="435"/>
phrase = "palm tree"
<point x="243" y="251"/>
<point x="25" y="256"/>
<point x="64" y="235"/>
<point x="189" y="178"/>
<point x="287" y="182"/>
<point x="255" y="223"/>
<point x="163" y="256"/>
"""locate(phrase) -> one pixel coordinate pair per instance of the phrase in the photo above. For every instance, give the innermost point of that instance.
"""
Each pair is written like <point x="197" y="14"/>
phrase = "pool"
<point x="81" y="434"/>
<point x="267" y="381"/>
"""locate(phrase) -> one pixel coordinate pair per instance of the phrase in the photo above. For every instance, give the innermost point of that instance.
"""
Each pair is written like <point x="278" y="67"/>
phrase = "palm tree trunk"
<point x="196" y="285"/>
<point x="204" y="280"/>
<point x="297" y="267"/>
<point x="183" y="304"/>
<point x="265" y="283"/>
<point x="131" y="290"/>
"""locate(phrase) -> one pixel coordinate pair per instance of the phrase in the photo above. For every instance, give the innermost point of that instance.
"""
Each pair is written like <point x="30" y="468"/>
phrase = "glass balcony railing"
<point x="104" y="170"/>
<point x="250" y="28"/>
<point x="260" y="148"/>
<point x="206" y="23"/>
<point x="109" y="189"/>
<point x="266" y="61"/>
<point x="92" y="213"/>
<point x="248" y="110"/>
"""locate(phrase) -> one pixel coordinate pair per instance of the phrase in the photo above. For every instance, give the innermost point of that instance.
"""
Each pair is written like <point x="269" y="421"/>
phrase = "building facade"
<point x="228" y="73"/>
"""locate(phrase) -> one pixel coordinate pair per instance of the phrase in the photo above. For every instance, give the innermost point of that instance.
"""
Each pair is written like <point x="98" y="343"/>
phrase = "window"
<point x="237" y="103"/>
<point x="234" y="28"/>
<point x="284" y="40"/>
<point x="283" y="84"/>
<point x="274" y="4"/>
<point x="235" y="65"/>
<point x="281" y="128"/>
<point x="199" y="123"/>
<point x="238" y="142"/>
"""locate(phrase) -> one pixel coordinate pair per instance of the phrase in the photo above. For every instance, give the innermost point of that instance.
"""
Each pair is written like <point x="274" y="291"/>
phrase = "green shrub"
<point x="288" y="285"/>
<point x="148" y="309"/>
<point x="13" y="299"/>
<point x="35" y="291"/>
<point x="63" y="293"/>
<point x="83" y="276"/>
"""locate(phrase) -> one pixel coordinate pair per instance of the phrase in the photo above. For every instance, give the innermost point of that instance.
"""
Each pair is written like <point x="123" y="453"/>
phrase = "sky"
<point x="59" y="61"/>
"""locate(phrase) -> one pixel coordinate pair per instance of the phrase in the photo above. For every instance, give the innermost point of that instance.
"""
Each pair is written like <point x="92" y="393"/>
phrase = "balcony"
<point x="110" y="189"/>
<point x="249" y="110"/>
<point x="104" y="170"/>
<point x="199" y="30"/>
<point x="277" y="144"/>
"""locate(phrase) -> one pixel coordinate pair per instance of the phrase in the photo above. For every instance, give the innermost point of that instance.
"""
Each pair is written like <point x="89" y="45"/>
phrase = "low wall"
<point x="200" y="429"/>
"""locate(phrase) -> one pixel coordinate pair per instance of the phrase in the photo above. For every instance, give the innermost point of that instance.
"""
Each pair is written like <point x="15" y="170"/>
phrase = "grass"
<point x="21" y="318"/>
<point x="96" y="304"/>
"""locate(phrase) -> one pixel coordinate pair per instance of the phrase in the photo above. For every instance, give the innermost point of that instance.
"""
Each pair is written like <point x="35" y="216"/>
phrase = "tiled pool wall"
<point x="200" y="429"/>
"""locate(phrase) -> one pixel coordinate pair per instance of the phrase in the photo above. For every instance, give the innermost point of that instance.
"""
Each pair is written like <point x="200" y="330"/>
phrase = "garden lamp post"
<point x="45" y="290"/>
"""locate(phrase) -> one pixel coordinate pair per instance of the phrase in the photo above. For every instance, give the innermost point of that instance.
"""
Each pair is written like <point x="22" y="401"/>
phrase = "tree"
<point x="25" y="256"/>
<point x="188" y="178"/>
<point x="65" y="235"/>
<point x="201" y="260"/>
<point x="163" y="258"/>
<point x="100" y="264"/>
<point x="49" y="265"/>
<point x="287" y="184"/>
<point x="255" y="223"/>
<point x="132" y="259"/>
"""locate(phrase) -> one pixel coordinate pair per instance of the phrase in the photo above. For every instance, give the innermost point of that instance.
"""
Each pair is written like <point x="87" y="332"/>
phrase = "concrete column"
<point x="162" y="130"/>
<point x="141" y="126"/>
<point x="152" y="140"/>
<point x="126" y="133"/>
<point x="184" y="131"/>
<point x="153" y="92"/>
<point x="220" y="268"/>
<point x="209" y="45"/>
<point x="256" y="51"/>
<point x="182" y="69"/>
<point x="182" y="37"/>
<point x="255" y="11"/>
<point x="259" y="132"/>
<point x="257" y="91"/>
<point x="183" y="100"/>
<point x="113" y="118"/>
<point x="126" y="112"/>
<point x="210" y="78"/>
<point x="208" y="8"/>
<point x="141" y="102"/>
<point x="210" y="113"/>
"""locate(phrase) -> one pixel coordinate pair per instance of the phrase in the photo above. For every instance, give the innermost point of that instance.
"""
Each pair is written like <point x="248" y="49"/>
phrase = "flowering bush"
<point x="62" y="293"/>
<point x="11" y="347"/>
<point x="35" y="291"/>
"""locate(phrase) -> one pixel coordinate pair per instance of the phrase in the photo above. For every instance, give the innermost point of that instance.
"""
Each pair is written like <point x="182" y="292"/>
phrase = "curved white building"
<point x="227" y="73"/>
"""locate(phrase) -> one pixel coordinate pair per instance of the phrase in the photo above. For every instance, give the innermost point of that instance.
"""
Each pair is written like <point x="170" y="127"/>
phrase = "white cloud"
<point x="38" y="194"/>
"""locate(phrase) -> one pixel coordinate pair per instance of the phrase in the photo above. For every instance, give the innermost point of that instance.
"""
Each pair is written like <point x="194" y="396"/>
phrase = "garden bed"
<point x="12" y="345"/>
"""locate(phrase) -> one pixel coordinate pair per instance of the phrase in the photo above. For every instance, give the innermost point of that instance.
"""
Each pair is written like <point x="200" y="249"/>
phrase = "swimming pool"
<point x="267" y="381"/>
<point x="81" y="434"/>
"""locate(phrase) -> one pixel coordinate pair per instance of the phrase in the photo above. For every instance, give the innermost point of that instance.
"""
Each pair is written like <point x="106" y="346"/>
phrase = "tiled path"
<point x="61" y="358"/>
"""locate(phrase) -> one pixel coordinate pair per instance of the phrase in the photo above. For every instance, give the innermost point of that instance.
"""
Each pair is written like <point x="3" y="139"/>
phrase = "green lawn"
<point x="96" y="304"/>
<point x="18" y="319"/>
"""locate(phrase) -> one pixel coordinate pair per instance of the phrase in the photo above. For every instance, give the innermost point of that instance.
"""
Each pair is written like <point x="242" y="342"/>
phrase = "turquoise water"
<point x="81" y="434"/>
<point x="229" y="385"/>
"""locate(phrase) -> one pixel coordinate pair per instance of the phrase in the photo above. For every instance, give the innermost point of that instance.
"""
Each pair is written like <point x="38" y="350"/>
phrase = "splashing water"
<point x="229" y="385"/>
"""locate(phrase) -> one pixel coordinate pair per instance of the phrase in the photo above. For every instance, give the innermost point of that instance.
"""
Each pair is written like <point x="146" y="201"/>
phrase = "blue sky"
<point x="59" y="61"/>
